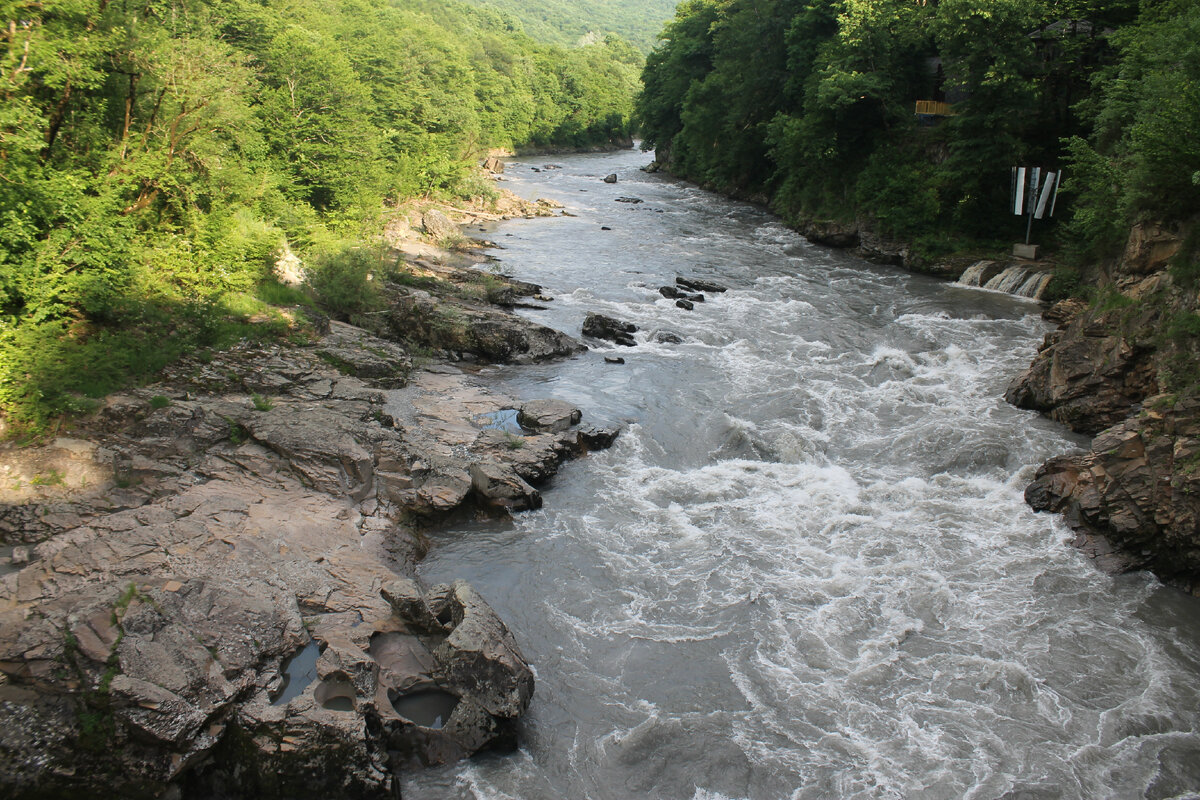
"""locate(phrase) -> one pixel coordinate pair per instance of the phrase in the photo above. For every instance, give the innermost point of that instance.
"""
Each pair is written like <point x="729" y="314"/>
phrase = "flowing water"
<point x="805" y="570"/>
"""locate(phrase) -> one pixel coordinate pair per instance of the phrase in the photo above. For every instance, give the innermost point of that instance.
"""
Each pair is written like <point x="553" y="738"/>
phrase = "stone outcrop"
<point x="1123" y="369"/>
<point x="1134" y="497"/>
<point x="1088" y="374"/>
<point x="246" y="509"/>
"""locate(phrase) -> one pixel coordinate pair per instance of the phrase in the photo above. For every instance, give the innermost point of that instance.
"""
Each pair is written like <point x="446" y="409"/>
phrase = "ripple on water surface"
<point x="806" y="569"/>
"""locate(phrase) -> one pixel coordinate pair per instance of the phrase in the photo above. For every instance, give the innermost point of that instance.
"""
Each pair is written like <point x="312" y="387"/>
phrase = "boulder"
<point x="831" y="233"/>
<point x="501" y="486"/>
<point x="554" y="416"/>
<point x="630" y="200"/>
<point x="438" y="226"/>
<point x="494" y="165"/>
<point x="686" y="305"/>
<point x="611" y="178"/>
<point x="598" y="326"/>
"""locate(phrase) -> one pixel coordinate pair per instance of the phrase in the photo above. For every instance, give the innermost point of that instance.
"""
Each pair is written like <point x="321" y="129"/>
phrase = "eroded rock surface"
<point x="1139" y="488"/>
<point x="211" y="526"/>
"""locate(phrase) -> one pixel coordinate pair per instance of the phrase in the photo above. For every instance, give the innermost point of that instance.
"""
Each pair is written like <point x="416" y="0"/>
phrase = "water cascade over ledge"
<point x="1013" y="279"/>
<point x="806" y="569"/>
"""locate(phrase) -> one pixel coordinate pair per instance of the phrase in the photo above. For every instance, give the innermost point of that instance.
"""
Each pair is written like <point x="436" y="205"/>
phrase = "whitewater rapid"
<point x="806" y="569"/>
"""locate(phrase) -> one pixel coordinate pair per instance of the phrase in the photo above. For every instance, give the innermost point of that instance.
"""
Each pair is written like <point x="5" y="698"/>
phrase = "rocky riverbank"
<point x="208" y="587"/>
<point x="1124" y="369"/>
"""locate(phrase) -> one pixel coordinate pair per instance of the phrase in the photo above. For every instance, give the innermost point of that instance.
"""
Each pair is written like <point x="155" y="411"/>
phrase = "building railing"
<point x="934" y="108"/>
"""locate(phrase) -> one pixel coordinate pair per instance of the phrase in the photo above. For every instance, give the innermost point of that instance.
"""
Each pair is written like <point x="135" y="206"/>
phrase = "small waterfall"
<point x="1034" y="285"/>
<point x="1009" y="280"/>
<point x="979" y="273"/>
<point x="1016" y="280"/>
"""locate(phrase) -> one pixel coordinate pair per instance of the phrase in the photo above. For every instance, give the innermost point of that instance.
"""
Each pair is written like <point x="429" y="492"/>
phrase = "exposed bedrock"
<point x="211" y="529"/>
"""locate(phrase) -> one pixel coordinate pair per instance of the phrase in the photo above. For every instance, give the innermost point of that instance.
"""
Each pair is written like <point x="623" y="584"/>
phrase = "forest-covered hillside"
<point x="156" y="155"/>
<point x="812" y="103"/>
<point x="568" y="22"/>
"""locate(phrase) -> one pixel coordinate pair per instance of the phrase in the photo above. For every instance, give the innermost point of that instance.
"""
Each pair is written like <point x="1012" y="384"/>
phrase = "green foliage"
<point x="154" y="160"/>
<point x="811" y="102"/>
<point x="262" y="403"/>
<point x="572" y="22"/>
<point x="347" y="281"/>
<point x="159" y="401"/>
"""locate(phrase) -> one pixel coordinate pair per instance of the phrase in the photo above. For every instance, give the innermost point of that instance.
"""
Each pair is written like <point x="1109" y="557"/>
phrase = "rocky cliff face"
<point x="1123" y="368"/>
<point x="170" y="568"/>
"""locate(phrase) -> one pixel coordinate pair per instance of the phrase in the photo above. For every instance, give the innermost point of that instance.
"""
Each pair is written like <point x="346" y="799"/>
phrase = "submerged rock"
<point x="697" y="285"/>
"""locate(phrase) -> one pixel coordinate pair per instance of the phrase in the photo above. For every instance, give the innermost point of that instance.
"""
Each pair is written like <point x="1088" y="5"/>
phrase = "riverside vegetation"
<point x="821" y="126"/>
<point x="155" y="157"/>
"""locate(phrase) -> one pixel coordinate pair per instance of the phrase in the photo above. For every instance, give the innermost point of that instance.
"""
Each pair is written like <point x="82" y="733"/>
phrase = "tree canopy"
<point x="813" y="103"/>
<point x="155" y="154"/>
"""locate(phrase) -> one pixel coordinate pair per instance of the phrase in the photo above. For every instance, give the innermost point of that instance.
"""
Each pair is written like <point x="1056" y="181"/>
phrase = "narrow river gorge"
<point x="806" y="569"/>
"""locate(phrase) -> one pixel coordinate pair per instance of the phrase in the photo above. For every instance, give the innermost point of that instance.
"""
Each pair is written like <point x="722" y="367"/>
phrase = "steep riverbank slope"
<point x="1124" y="368"/>
<point x="207" y="588"/>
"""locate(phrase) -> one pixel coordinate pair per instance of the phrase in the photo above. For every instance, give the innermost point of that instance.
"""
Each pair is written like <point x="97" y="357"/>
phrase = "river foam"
<point x="806" y="569"/>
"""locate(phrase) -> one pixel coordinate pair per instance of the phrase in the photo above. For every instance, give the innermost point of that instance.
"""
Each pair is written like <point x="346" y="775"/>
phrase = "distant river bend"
<point x="806" y="570"/>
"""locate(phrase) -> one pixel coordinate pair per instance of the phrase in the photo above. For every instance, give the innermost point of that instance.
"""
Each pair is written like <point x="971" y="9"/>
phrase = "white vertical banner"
<point x="1019" y="200"/>
<point x="1054" y="200"/>
<point x="1045" y="198"/>
<point x="1035" y="181"/>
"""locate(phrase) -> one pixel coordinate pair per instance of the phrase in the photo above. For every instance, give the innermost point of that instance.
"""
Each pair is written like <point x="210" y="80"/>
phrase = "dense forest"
<point x="155" y="156"/>
<point x="811" y="104"/>
<point x="568" y="22"/>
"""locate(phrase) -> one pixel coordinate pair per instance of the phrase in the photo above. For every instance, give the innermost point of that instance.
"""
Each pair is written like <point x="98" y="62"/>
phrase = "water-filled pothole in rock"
<point x="335" y="694"/>
<point x="429" y="708"/>
<point x="503" y="420"/>
<point x="298" y="672"/>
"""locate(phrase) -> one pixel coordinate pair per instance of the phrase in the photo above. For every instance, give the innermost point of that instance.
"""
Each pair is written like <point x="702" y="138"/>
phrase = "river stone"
<point x="596" y="437"/>
<point x="599" y="326"/>
<point x="697" y="285"/>
<point x="630" y="200"/>
<point x="611" y="178"/>
<point x="494" y="165"/>
<point x="554" y="416"/>
<point x="686" y="305"/>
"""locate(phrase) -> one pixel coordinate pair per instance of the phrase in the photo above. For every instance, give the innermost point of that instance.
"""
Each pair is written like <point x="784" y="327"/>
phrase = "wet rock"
<point x="630" y="200"/>
<point x="686" y="305"/>
<point x="1087" y="375"/>
<point x="667" y="337"/>
<point x="554" y="416"/>
<point x="831" y="233"/>
<point x="672" y="293"/>
<point x="611" y="178"/>
<point x="595" y="437"/>
<point x="598" y="326"/>
<point x="502" y="486"/>
<point x="1135" y="496"/>
<point x="613" y="360"/>
<point x="697" y="285"/>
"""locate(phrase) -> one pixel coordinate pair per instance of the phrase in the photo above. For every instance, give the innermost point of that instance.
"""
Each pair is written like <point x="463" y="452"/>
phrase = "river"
<point x="806" y="569"/>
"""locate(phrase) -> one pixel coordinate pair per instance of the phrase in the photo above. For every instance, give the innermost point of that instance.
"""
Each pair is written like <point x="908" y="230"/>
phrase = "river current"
<point x="805" y="570"/>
